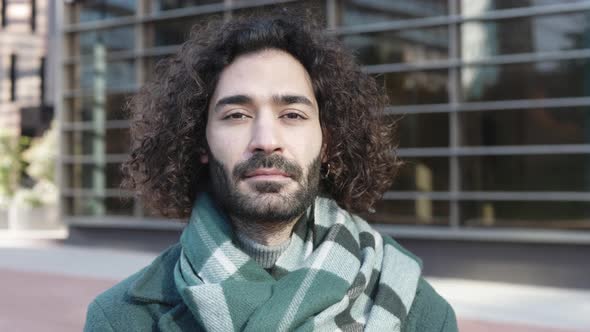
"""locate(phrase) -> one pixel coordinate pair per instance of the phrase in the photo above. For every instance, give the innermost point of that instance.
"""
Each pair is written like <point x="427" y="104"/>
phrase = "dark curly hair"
<point x="169" y="114"/>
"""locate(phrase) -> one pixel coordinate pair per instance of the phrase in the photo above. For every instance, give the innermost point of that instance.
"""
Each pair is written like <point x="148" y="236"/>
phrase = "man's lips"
<point x="266" y="173"/>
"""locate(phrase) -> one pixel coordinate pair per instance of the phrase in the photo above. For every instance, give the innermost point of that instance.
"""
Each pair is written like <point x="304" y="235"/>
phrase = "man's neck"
<point x="268" y="234"/>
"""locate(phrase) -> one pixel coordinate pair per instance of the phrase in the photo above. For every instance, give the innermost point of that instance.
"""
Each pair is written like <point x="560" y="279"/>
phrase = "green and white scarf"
<point x="338" y="274"/>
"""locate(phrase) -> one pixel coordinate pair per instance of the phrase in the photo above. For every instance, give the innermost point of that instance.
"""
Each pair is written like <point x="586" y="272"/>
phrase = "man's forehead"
<point x="264" y="75"/>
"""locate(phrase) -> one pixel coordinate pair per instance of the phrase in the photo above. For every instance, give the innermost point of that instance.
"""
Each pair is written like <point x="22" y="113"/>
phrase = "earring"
<point x="328" y="169"/>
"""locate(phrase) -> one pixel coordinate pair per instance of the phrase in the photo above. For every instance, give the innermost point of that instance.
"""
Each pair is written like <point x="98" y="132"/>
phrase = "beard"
<point x="268" y="203"/>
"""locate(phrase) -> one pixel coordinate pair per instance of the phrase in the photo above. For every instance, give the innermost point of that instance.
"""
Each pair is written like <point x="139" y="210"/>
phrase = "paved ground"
<point x="46" y="287"/>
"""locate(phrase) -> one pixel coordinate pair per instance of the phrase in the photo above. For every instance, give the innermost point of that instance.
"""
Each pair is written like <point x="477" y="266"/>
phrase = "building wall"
<point x="23" y="45"/>
<point x="491" y="97"/>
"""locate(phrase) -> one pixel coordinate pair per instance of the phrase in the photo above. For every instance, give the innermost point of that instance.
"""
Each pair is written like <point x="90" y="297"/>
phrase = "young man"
<point x="266" y="137"/>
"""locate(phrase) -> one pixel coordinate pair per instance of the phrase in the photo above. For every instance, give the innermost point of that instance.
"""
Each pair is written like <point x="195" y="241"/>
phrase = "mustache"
<point x="262" y="160"/>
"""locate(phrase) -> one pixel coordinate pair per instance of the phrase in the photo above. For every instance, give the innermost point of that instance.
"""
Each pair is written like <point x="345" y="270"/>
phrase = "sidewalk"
<point x="48" y="287"/>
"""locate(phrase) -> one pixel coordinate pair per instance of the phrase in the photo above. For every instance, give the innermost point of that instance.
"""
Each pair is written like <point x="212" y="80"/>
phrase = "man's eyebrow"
<point x="291" y="99"/>
<point x="232" y="100"/>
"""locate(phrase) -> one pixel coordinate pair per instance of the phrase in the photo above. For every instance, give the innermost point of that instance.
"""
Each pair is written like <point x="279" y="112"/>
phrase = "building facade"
<point x="25" y="95"/>
<point x="491" y="97"/>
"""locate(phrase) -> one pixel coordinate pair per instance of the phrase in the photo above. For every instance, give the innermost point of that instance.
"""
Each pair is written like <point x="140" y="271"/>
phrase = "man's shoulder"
<point x="139" y="299"/>
<point x="430" y="312"/>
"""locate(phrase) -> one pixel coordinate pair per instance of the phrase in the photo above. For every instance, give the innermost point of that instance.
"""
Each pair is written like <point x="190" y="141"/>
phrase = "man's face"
<point x="264" y="137"/>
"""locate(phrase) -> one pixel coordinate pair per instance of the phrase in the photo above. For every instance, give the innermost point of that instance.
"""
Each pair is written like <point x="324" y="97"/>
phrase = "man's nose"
<point x="265" y="136"/>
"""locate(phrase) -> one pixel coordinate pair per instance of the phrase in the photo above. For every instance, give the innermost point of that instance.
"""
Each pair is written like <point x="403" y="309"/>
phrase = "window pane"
<point x="84" y="142"/>
<point x="528" y="126"/>
<point x="91" y="10"/>
<point x="470" y="7"/>
<point x="97" y="206"/>
<point x="91" y="176"/>
<point x="161" y="5"/>
<point x="177" y="31"/>
<point x="109" y="40"/>
<point x="423" y="130"/>
<point x="423" y="174"/>
<point x="417" y="87"/>
<point x="84" y="108"/>
<point x="561" y="172"/>
<point x="399" y="46"/>
<point x="566" y="215"/>
<point x="353" y="12"/>
<point x="116" y="75"/>
<point x="410" y="212"/>
<point x="547" y="79"/>
<point x="535" y="34"/>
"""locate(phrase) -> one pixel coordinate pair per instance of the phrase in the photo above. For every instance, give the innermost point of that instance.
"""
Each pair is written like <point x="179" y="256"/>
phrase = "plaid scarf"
<point x="337" y="274"/>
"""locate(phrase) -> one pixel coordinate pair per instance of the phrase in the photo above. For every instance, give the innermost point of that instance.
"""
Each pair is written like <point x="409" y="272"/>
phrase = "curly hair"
<point x="169" y="114"/>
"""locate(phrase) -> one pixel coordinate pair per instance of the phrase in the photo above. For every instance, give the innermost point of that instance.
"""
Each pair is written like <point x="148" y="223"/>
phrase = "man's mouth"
<point x="266" y="174"/>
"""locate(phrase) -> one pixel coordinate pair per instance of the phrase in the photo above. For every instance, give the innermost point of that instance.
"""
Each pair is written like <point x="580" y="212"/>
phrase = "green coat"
<point x="148" y="301"/>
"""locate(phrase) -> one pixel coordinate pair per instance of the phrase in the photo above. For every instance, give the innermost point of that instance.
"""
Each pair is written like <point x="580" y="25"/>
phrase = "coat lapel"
<point x="155" y="285"/>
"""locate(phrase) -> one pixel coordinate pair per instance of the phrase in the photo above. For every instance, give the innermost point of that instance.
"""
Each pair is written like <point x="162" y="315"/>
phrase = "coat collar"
<point x="155" y="283"/>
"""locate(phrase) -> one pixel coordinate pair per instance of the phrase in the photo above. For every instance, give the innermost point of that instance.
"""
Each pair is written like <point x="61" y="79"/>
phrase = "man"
<point x="266" y="136"/>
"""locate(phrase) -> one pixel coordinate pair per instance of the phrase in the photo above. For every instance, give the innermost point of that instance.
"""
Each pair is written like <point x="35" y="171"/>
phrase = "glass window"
<point x="423" y="130"/>
<point x="177" y="31"/>
<point x="537" y="80"/>
<point x="84" y="108"/>
<point x="85" y="142"/>
<point x="421" y="211"/>
<point x="527" y="126"/>
<point x="115" y="75"/>
<point x="564" y="215"/>
<point x="423" y="174"/>
<point x="107" y="40"/>
<point x="560" y="172"/>
<point x="98" y="206"/>
<point x="525" y="35"/>
<point x="403" y="46"/>
<point x="160" y="5"/>
<point x="470" y="7"/>
<point x="92" y="10"/>
<point x="416" y="87"/>
<point x="354" y="12"/>
<point x="92" y="176"/>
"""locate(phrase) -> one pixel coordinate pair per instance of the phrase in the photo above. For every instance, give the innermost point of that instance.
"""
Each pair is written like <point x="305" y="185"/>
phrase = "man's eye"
<point x="235" y="116"/>
<point x="293" y="116"/>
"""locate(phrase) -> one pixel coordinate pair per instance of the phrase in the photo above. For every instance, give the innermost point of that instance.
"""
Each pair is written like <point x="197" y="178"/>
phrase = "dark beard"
<point x="281" y="207"/>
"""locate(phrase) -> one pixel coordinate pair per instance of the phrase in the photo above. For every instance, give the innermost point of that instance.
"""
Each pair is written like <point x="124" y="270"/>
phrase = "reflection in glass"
<point x="354" y="12"/>
<point x="118" y="74"/>
<point x="548" y="215"/>
<point x="534" y="34"/>
<point x="399" y="46"/>
<point x="81" y="142"/>
<point x="528" y="126"/>
<point x="418" y="87"/>
<point x="87" y="206"/>
<point x="177" y="31"/>
<point x="560" y="172"/>
<point x="537" y="80"/>
<point x="81" y="176"/>
<point x="423" y="174"/>
<point x="422" y="130"/>
<point x="160" y="5"/>
<point x="421" y="211"/>
<point x="91" y="10"/>
<point x="470" y="7"/>
<point x="80" y="108"/>
<point x="115" y="39"/>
